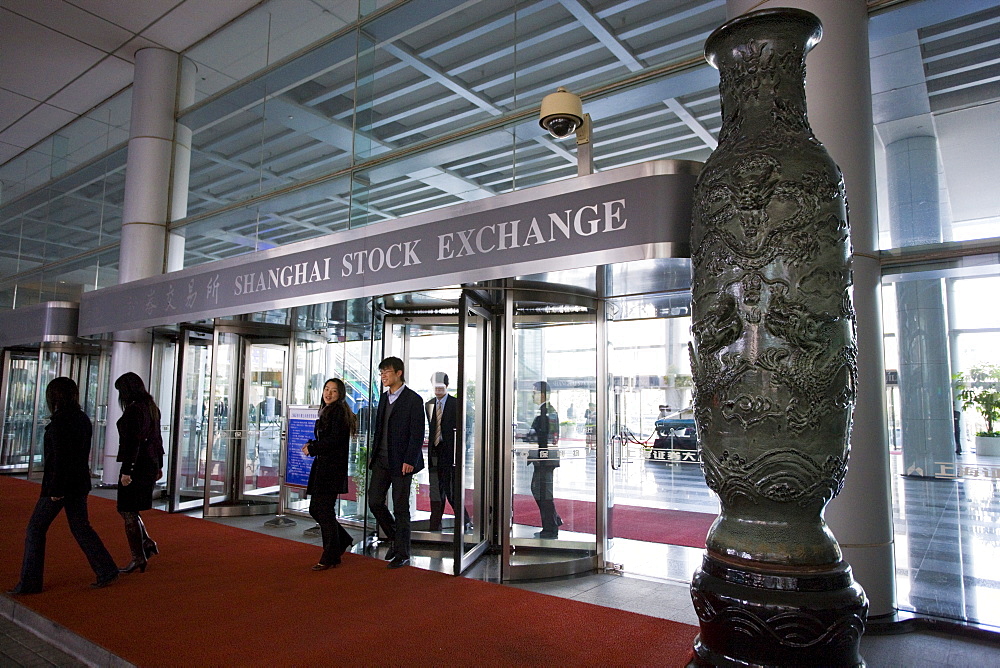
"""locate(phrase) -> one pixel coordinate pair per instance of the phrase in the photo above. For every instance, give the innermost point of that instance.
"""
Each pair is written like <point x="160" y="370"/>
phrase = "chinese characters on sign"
<point x="952" y="471"/>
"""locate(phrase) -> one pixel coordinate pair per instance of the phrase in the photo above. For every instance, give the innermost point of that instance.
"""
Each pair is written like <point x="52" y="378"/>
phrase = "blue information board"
<point x="301" y="430"/>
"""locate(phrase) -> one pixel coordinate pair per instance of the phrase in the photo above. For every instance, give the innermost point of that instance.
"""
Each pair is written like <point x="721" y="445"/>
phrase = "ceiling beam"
<point x="689" y="120"/>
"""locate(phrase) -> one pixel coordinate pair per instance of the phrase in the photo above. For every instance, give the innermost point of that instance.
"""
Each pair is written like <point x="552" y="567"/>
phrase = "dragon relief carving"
<point x="751" y="193"/>
<point x="758" y="223"/>
<point x="758" y="73"/>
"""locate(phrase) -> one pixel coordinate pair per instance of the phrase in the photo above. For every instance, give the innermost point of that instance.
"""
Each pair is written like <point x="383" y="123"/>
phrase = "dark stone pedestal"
<point x="754" y="617"/>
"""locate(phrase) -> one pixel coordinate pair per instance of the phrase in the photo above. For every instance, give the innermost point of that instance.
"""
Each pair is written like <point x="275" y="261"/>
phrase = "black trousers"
<point x="323" y="508"/>
<point x="444" y="490"/>
<point x="543" y="489"/>
<point x="46" y="510"/>
<point x="396" y="524"/>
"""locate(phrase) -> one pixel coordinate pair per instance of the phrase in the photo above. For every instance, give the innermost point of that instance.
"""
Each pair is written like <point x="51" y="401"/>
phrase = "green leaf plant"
<point x="979" y="388"/>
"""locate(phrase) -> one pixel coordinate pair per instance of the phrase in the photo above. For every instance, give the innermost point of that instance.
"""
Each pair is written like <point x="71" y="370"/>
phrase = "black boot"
<point x="133" y="532"/>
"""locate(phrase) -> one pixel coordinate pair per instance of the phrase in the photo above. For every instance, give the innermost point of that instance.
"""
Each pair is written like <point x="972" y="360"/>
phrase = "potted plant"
<point x="979" y="388"/>
<point x="360" y="477"/>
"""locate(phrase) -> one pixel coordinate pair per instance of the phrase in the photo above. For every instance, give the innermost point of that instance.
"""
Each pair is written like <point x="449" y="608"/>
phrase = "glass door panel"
<point x="194" y="414"/>
<point x="473" y="391"/>
<point x="356" y="357"/>
<point x="96" y="406"/>
<point x="223" y="437"/>
<point x="50" y="367"/>
<point x="308" y="374"/>
<point x="655" y="464"/>
<point x="449" y="508"/>
<point x="554" y="496"/>
<point x="265" y="372"/>
<point x="21" y="370"/>
<point x="427" y="346"/>
<point x="248" y="372"/>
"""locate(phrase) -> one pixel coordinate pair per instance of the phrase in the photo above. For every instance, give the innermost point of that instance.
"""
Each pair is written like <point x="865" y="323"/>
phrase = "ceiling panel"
<point x="72" y="21"/>
<point x="36" y="126"/>
<point x="95" y="85"/>
<point x="38" y="60"/>
<point x="13" y="106"/>
<point x="133" y="15"/>
<point x="174" y="29"/>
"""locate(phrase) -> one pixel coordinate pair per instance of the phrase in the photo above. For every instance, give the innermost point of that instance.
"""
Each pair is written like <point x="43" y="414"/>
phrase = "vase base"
<point x="760" y="618"/>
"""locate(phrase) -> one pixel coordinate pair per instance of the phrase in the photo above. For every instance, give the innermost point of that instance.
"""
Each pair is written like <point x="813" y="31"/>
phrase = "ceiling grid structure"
<point x="292" y="139"/>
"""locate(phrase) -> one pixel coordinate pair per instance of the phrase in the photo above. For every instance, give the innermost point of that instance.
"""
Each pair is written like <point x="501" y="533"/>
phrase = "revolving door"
<point x="229" y="408"/>
<point x="26" y="373"/>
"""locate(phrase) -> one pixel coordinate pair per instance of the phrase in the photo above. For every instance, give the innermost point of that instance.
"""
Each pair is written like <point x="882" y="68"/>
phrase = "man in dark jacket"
<point x="442" y="449"/>
<point x="544" y="460"/>
<point x="397" y="454"/>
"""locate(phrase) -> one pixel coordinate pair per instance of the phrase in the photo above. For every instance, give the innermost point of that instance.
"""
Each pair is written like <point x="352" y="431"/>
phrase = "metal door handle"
<point x="616" y="454"/>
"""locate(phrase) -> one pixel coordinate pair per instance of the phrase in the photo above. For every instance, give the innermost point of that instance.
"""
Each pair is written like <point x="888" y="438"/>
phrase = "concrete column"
<point x="144" y="214"/>
<point x="181" y="175"/>
<point x="838" y="94"/>
<point x="924" y="367"/>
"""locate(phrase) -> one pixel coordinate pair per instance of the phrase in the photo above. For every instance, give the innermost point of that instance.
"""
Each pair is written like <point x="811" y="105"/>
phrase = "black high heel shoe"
<point x="134" y="566"/>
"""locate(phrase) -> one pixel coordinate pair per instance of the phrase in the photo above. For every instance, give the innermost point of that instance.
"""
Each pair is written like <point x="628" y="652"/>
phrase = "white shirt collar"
<point x="394" y="395"/>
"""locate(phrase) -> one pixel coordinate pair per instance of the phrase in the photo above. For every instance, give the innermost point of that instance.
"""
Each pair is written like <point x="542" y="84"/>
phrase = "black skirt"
<point x="136" y="496"/>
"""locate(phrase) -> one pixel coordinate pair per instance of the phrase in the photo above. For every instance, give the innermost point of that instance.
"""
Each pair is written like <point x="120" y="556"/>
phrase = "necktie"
<point x="437" y="422"/>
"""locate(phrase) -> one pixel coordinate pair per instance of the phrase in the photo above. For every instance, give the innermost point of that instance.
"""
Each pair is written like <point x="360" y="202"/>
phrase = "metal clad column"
<point x="181" y="175"/>
<point x="838" y="93"/>
<point x="144" y="214"/>
<point x="926" y="402"/>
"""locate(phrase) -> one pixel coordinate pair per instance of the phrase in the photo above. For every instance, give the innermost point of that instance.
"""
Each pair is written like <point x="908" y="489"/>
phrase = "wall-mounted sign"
<point x="633" y="213"/>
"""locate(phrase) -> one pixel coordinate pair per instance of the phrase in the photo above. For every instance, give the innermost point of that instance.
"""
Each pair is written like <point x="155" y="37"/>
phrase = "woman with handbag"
<point x="65" y="484"/>
<point x="140" y="451"/>
<point x="328" y="476"/>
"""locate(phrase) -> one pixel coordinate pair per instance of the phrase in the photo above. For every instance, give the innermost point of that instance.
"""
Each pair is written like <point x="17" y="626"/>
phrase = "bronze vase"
<point x="774" y="360"/>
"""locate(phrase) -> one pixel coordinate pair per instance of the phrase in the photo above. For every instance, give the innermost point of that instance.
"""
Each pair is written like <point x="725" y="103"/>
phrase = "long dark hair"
<point x="61" y="394"/>
<point x="327" y="412"/>
<point x="131" y="390"/>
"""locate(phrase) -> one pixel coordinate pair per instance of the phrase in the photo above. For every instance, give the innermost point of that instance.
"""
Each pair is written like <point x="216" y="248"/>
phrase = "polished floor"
<point x="947" y="536"/>
<point x="946" y="533"/>
<point x="664" y="597"/>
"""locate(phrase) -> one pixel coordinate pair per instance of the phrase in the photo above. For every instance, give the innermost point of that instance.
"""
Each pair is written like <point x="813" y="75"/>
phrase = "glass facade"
<point x="310" y="117"/>
<point x="937" y="126"/>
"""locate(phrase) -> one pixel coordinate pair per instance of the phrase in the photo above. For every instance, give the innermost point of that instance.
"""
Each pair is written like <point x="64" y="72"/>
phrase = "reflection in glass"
<point x="554" y="469"/>
<point x="18" y="416"/>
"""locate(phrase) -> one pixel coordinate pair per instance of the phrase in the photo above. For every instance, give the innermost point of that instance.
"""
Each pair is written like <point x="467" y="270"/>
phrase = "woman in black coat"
<point x="140" y="451"/>
<point x="328" y="476"/>
<point x="65" y="484"/>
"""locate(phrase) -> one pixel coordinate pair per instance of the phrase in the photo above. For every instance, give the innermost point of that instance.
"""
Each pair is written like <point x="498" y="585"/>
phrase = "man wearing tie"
<point x="397" y="454"/>
<point x="442" y="423"/>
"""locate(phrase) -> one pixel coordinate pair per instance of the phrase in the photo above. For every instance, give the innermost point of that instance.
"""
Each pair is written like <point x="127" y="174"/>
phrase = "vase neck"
<point x="762" y="66"/>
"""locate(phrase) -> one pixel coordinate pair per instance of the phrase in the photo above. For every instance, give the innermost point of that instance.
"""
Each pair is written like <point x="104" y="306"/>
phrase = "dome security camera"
<point x="561" y="113"/>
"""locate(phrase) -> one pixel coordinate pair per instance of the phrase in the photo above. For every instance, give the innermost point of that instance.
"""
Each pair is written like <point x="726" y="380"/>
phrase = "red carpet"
<point x="221" y="596"/>
<point x="654" y="525"/>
